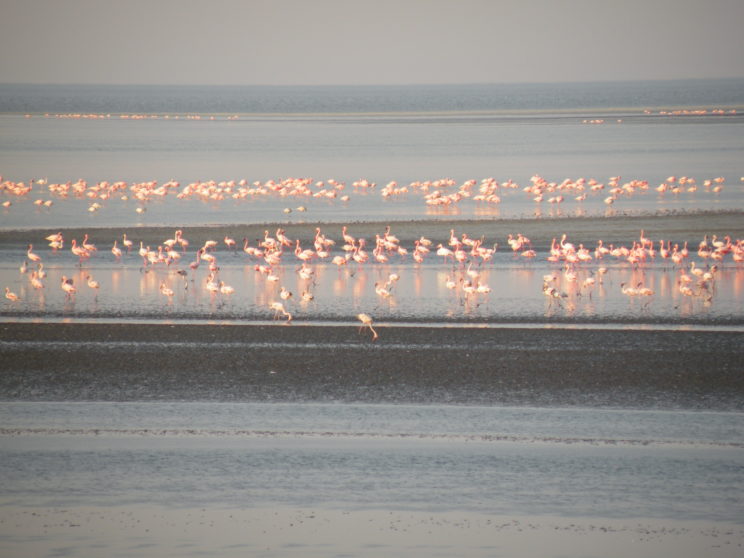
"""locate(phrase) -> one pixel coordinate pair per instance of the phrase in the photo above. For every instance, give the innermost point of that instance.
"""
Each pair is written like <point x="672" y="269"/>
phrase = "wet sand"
<point x="155" y="531"/>
<point x="634" y="368"/>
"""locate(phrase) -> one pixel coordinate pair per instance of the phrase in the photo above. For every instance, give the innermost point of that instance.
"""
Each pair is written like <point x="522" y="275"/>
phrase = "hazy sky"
<point x="367" y="42"/>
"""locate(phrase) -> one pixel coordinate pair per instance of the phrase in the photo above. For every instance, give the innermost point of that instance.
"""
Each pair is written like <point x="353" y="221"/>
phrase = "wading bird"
<point x="366" y="320"/>
<point x="278" y="308"/>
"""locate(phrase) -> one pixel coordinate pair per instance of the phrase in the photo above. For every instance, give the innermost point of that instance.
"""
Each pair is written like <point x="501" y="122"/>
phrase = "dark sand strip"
<point x="618" y="229"/>
<point x="520" y="366"/>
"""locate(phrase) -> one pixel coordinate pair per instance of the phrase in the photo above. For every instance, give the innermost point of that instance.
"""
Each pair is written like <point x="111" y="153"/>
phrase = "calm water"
<point x="668" y="95"/>
<point x="571" y="462"/>
<point x="592" y="462"/>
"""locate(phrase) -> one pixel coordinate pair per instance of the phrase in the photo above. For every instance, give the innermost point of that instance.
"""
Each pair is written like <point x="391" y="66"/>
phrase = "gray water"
<point x="500" y="460"/>
<point x="19" y="98"/>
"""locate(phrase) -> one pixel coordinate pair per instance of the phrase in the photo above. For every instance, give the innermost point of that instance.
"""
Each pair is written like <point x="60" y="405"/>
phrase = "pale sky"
<point x="286" y="42"/>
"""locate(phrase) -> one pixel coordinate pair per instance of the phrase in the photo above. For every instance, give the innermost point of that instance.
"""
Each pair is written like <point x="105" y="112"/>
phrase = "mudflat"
<point x="495" y="365"/>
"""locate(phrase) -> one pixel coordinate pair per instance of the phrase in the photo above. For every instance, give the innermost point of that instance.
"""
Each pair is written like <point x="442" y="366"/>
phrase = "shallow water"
<point x="498" y="460"/>
<point x="378" y="150"/>
<point x="420" y="294"/>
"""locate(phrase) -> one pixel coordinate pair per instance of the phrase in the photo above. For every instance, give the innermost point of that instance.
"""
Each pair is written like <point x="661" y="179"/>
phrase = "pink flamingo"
<point x="366" y="320"/>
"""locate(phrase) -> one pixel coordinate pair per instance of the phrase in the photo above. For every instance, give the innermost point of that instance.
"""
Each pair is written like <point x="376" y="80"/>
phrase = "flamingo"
<point x="628" y="291"/>
<point x="421" y="247"/>
<point x="278" y="308"/>
<point x="360" y="255"/>
<point x="685" y="290"/>
<point x="226" y="289"/>
<point x="181" y="240"/>
<point x="366" y="320"/>
<point x="269" y="242"/>
<point x="142" y="252"/>
<point x="58" y="243"/>
<point x="389" y="237"/>
<point x="644" y="291"/>
<point x="195" y="264"/>
<point x="553" y="294"/>
<point x="348" y="239"/>
<point x="282" y="238"/>
<point x="305" y="272"/>
<point x="209" y="245"/>
<point x="68" y="287"/>
<point x="31" y="255"/>
<point x="92" y="283"/>
<point x="126" y="242"/>
<point x="55" y="238"/>
<point x="482" y="288"/>
<point x="445" y="252"/>
<point x="10" y="295"/>
<point x="80" y="251"/>
<point x="304" y="255"/>
<point x="382" y="291"/>
<point x="212" y="285"/>
<point x="170" y="242"/>
<point x="35" y="281"/>
<point x="90" y="247"/>
<point x="307" y="296"/>
<point x="467" y="287"/>
<point x="116" y="251"/>
<point x="340" y="260"/>
<point x="165" y="290"/>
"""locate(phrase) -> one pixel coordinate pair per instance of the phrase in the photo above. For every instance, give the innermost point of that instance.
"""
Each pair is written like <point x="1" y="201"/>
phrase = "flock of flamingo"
<point x="435" y="193"/>
<point x="466" y="256"/>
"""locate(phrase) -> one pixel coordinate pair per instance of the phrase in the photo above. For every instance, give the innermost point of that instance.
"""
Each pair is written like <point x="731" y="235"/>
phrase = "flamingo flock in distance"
<point x="462" y="254"/>
<point x="716" y="111"/>
<point x="439" y="193"/>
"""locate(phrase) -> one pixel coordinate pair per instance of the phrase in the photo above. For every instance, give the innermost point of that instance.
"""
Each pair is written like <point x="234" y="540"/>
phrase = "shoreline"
<point x="659" y="323"/>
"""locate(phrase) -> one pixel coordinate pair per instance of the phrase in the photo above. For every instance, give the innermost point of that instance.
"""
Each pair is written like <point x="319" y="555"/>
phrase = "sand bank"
<point x="617" y="229"/>
<point x="159" y="531"/>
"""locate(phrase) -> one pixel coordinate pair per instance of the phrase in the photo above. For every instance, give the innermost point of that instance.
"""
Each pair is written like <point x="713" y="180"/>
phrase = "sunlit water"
<point x="420" y="294"/>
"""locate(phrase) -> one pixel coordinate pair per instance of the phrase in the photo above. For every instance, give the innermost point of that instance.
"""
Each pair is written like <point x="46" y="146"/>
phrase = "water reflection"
<point x="509" y="286"/>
